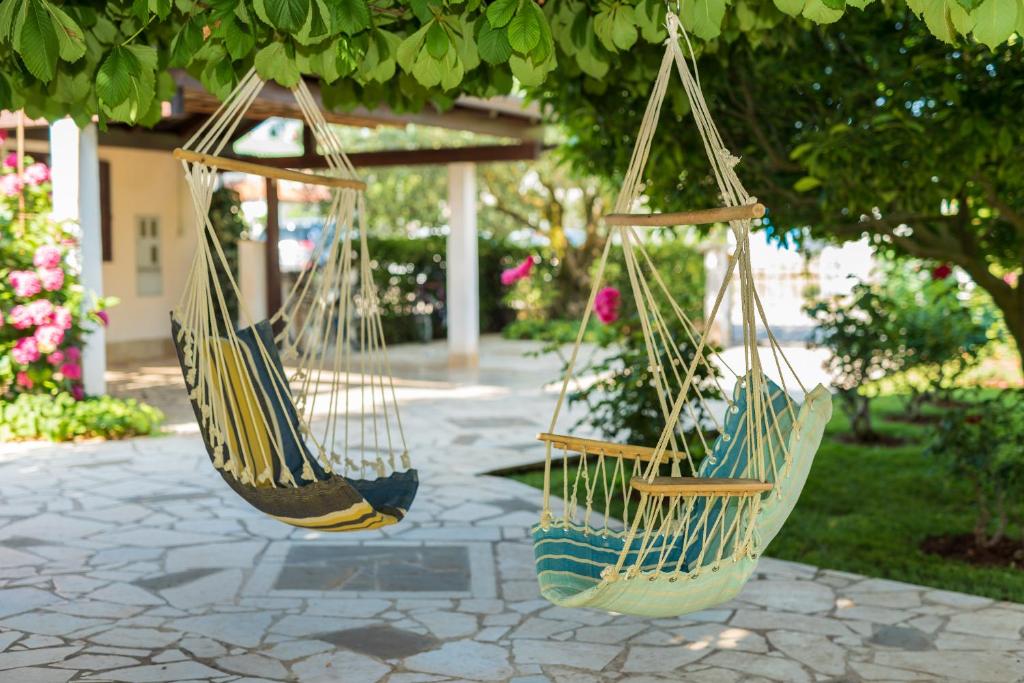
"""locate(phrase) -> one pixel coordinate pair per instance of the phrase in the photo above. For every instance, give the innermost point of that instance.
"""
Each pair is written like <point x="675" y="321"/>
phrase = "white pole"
<point x="463" y="282"/>
<point x="75" y="173"/>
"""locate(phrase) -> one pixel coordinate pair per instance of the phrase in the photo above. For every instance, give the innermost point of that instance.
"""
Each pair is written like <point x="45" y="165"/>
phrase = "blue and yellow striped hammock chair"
<point x="317" y="443"/>
<point x="684" y="543"/>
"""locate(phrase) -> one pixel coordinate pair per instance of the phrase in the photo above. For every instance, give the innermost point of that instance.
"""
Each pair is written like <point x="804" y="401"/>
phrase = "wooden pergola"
<point x="73" y="153"/>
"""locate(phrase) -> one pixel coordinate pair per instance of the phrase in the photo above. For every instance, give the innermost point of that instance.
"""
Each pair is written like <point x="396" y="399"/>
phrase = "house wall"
<point x="145" y="184"/>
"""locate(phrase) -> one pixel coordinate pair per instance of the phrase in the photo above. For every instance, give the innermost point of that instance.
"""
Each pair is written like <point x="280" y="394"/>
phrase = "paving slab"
<point x="131" y="561"/>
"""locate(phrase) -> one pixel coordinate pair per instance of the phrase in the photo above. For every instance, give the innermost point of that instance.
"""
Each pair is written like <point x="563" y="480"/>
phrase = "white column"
<point x="252" y="280"/>
<point x="716" y="266"/>
<point x="463" y="285"/>
<point x="75" y="169"/>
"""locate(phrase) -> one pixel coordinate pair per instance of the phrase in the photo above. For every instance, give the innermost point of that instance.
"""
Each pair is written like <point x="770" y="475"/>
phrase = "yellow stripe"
<point x="360" y="509"/>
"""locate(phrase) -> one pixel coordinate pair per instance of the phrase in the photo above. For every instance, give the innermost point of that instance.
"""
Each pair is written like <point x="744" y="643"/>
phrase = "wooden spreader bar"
<point x="721" y="214"/>
<point x="700" y="486"/>
<point x="595" y="446"/>
<point x="226" y="164"/>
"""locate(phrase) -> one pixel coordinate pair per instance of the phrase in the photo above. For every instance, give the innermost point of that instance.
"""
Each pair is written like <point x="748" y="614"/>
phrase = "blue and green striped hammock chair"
<point x="298" y="412"/>
<point x="684" y="543"/>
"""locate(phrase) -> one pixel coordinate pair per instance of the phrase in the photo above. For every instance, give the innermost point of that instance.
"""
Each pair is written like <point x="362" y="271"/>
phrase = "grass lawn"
<point x="866" y="509"/>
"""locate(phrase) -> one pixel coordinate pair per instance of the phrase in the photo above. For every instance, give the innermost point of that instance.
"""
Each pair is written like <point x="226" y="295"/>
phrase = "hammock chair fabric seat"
<point x="329" y="502"/>
<point x="571" y="561"/>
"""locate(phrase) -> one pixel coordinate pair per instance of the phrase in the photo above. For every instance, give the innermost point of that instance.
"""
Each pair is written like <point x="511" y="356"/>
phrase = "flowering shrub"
<point x="42" y="320"/>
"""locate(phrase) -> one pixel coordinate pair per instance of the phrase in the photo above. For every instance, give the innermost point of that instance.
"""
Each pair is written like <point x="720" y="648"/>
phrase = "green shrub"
<point x="63" y="418"/>
<point x="983" y="444"/>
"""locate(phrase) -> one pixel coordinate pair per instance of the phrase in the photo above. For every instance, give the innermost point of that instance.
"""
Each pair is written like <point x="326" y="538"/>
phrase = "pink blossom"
<point x="52" y="278"/>
<point x="24" y="380"/>
<point x="46" y="256"/>
<point x="941" y="271"/>
<point x="62" y="317"/>
<point x="71" y="371"/>
<point x="21" y="317"/>
<point x="104" y="317"/>
<point x="25" y="282"/>
<point x="40" y="311"/>
<point x="37" y="174"/>
<point x="1010" y="279"/>
<point x="55" y="358"/>
<point x="12" y="160"/>
<point x="12" y="184"/>
<point x="25" y="351"/>
<point x="77" y="391"/>
<point x="514" y="275"/>
<point x="49" y="338"/>
<point x="606" y="305"/>
<point x="3" y="135"/>
<point x="73" y="353"/>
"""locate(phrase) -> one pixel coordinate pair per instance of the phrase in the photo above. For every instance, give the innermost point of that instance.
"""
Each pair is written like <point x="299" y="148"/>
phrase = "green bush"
<point x="411" y="279"/>
<point x="63" y="418"/>
<point x="983" y="444"/>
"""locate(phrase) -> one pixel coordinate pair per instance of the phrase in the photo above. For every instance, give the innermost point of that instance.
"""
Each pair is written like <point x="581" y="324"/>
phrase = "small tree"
<point x="939" y="332"/>
<point x="857" y="329"/>
<point x="984" y="445"/>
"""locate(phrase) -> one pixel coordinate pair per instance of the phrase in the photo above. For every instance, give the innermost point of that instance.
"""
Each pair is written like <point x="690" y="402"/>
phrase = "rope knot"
<point x="672" y="24"/>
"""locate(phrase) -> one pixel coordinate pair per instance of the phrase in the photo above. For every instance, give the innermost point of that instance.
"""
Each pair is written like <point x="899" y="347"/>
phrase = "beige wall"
<point x="145" y="183"/>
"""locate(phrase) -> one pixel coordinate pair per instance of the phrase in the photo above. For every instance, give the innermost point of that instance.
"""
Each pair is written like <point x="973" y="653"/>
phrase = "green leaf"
<point x="704" y="17"/>
<point x="858" y="4"/>
<point x="937" y="19"/>
<point x="493" y="44"/>
<point x="650" y="17"/>
<point x="113" y="79"/>
<point x="624" y="32"/>
<point x="806" y="184"/>
<point x="994" y="21"/>
<point x="437" y="40"/>
<point x="287" y="15"/>
<point x="501" y="12"/>
<point x="274" y="62"/>
<point x="819" y="13"/>
<point x="37" y="41"/>
<point x="238" y="40"/>
<point x="387" y="47"/>
<point x="353" y="15"/>
<point x="791" y="7"/>
<point x="524" y="31"/>
<point x="970" y="5"/>
<point x="427" y="70"/>
<point x="528" y="72"/>
<point x="409" y="49"/>
<point x="960" y="18"/>
<point x="9" y="9"/>
<point x="186" y="43"/>
<point x="70" y="36"/>
<point x="839" y="5"/>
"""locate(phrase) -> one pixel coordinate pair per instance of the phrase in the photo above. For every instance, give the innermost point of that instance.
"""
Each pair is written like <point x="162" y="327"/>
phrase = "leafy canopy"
<point x="111" y="59"/>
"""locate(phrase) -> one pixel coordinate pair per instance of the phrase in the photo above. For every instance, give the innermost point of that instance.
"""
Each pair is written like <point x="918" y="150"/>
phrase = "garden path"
<point x="131" y="561"/>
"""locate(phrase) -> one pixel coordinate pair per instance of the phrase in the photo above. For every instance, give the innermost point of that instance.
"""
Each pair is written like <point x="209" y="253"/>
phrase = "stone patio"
<point x="132" y="561"/>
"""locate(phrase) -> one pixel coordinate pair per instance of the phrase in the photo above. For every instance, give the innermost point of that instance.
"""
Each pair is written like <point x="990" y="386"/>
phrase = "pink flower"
<point x="3" y="135"/>
<point x="24" y="380"/>
<point x="606" y="305"/>
<point x="941" y="271"/>
<point x="71" y="371"/>
<point x="40" y="311"/>
<point x="77" y="391"/>
<point x="25" y="351"/>
<point x="21" y="317"/>
<point x="37" y="174"/>
<point x="1010" y="279"/>
<point x="62" y="317"/>
<point x="104" y="317"/>
<point x="46" y="256"/>
<point x="520" y="272"/>
<point x="55" y="358"/>
<point x="49" y="338"/>
<point x="25" y="282"/>
<point x="12" y="184"/>
<point x="73" y="353"/>
<point x="52" y="278"/>
<point x="12" y="160"/>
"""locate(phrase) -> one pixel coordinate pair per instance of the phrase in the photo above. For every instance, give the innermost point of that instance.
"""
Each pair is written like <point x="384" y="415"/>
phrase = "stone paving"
<point x="132" y="561"/>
